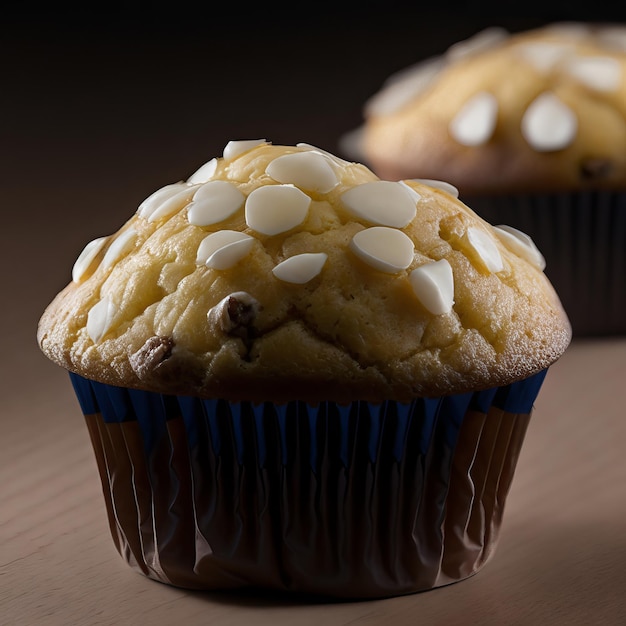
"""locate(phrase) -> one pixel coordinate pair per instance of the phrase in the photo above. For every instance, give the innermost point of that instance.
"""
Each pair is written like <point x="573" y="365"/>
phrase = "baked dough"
<point x="540" y="110"/>
<point x="283" y="272"/>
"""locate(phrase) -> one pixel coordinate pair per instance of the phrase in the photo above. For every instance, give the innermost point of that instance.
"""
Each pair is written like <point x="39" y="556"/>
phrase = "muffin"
<point x="300" y="377"/>
<point x="531" y="129"/>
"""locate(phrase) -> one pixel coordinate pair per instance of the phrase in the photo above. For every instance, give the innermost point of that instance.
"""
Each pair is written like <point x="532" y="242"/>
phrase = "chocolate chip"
<point x="240" y="313"/>
<point x="594" y="169"/>
<point x="235" y="315"/>
<point x="151" y="355"/>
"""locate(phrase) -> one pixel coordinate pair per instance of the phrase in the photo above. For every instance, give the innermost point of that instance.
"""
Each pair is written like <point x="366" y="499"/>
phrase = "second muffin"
<point x="531" y="128"/>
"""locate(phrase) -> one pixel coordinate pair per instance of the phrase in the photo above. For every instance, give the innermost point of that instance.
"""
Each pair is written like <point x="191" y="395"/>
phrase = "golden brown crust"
<point x="352" y="331"/>
<point x="409" y="136"/>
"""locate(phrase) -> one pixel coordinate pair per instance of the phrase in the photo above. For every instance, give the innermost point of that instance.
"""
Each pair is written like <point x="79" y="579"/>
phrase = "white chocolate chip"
<point x="228" y="256"/>
<point x="474" y="124"/>
<point x="307" y="170"/>
<point x="276" y="209"/>
<point x="234" y="149"/>
<point x="214" y="202"/>
<point x="223" y="249"/>
<point x="204" y="173"/>
<point x="100" y="319"/>
<point x="486" y="249"/>
<point x="403" y="86"/>
<point x="329" y="155"/>
<point x="166" y="201"/>
<point x="442" y="185"/>
<point x="301" y="268"/>
<point x="351" y="143"/>
<point x="386" y="249"/>
<point x="613" y="37"/>
<point x="86" y="258"/>
<point x="433" y="284"/>
<point x="413" y="193"/>
<point x="571" y="30"/>
<point x="153" y="201"/>
<point x="521" y="244"/>
<point x="543" y="55"/>
<point x="548" y="124"/>
<point x="486" y="39"/>
<point x="119" y="247"/>
<point x="381" y="202"/>
<point x="599" y="73"/>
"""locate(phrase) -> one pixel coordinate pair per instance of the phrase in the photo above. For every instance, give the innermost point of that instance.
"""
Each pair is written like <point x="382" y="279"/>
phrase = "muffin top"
<point x="283" y="272"/>
<point x="540" y="110"/>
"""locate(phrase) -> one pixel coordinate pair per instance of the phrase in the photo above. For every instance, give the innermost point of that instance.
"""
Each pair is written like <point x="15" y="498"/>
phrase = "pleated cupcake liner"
<point x="582" y="236"/>
<point x="346" y="501"/>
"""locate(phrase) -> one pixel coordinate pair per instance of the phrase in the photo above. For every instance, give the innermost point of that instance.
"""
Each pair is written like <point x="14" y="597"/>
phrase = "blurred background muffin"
<point x="531" y="129"/>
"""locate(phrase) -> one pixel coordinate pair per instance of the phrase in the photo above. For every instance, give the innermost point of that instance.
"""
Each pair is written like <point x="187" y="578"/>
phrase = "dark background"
<point x="101" y="106"/>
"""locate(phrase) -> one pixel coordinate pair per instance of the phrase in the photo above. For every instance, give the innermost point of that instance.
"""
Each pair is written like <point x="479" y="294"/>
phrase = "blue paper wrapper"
<point x="582" y="236"/>
<point x="349" y="501"/>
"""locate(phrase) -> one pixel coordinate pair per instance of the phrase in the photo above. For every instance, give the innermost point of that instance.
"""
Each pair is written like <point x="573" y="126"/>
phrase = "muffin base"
<point x="582" y="236"/>
<point x="346" y="501"/>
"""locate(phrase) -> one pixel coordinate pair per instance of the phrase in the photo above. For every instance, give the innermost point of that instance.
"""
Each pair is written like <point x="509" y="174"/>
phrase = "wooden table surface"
<point x="89" y="129"/>
<point x="560" y="560"/>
